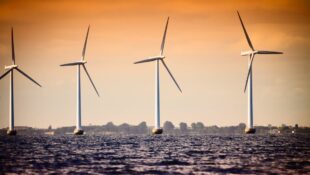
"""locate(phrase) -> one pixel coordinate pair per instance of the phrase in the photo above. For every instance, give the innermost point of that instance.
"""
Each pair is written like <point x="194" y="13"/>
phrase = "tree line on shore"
<point x="168" y="127"/>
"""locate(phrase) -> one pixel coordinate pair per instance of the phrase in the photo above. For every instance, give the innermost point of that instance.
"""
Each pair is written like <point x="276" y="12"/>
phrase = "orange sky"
<point x="203" y="47"/>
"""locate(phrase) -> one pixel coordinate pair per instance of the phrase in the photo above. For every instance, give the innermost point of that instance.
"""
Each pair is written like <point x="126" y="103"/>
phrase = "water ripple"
<point x="243" y="154"/>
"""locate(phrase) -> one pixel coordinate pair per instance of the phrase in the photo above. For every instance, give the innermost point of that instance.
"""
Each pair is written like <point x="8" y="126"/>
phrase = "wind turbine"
<point x="251" y="53"/>
<point x="158" y="59"/>
<point x="81" y="63"/>
<point x="10" y="70"/>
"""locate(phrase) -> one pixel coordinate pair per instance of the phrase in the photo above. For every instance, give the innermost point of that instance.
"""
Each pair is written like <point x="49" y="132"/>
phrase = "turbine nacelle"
<point x="250" y="52"/>
<point x="10" y="67"/>
<point x="82" y="62"/>
<point x="161" y="57"/>
<point x="150" y="59"/>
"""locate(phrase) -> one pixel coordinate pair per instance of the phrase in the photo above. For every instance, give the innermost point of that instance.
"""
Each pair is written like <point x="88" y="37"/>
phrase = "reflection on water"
<point x="248" y="154"/>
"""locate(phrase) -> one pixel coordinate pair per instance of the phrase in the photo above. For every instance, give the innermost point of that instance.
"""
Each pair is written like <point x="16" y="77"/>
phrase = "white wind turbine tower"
<point x="251" y="53"/>
<point x="81" y="63"/>
<point x="159" y="58"/>
<point x="10" y="70"/>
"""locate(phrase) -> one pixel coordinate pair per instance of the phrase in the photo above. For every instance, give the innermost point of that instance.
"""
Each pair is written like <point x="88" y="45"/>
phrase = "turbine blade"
<point x="164" y="39"/>
<point x="71" y="64"/>
<point x="12" y="42"/>
<point x="146" y="60"/>
<point x="27" y="76"/>
<point x="85" y="43"/>
<point x="90" y="80"/>
<point x="3" y="75"/>
<point x="171" y="74"/>
<point x="249" y="72"/>
<point x="245" y="32"/>
<point x="268" y="52"/>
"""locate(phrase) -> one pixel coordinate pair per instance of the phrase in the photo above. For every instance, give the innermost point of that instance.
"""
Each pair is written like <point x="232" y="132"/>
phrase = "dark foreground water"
<point x="244" y="154"/>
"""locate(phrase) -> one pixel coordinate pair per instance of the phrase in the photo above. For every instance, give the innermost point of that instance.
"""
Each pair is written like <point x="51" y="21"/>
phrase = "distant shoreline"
<point x="168" y="127"/>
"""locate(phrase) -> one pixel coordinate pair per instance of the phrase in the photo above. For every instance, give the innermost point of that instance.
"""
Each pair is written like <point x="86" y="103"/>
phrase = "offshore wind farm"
<point x="146" y="124"/>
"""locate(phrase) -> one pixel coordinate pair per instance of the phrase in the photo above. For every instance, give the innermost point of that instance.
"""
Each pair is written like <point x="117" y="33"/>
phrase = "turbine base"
<point x="78" y="132"/>
<point x="250" y="130"/>
<point x="11" y="132"/>
<point x="157" y="131"/>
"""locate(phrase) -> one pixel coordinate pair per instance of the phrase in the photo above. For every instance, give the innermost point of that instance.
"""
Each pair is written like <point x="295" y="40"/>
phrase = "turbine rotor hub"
<point x="161" y="57"/>
<point x="10" y="67"/>
<point x="248" y="53"/>
<point x="82" y="62"/>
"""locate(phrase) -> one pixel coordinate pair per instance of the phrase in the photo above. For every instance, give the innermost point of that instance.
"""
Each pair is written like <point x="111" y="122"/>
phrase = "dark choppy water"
<point x="244" y="154"/>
